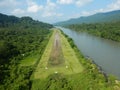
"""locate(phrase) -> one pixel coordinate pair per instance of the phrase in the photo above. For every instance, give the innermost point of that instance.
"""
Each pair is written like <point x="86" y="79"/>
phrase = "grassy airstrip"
<point x="71" y="65"/>
<point x="71" y="75"/>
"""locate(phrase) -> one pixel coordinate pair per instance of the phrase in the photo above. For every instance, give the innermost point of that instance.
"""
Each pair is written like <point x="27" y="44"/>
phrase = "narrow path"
<point x="58" y="57"/>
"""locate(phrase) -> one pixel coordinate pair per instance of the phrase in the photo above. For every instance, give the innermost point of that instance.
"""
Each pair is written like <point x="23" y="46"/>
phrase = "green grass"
<point x="75" y="77"/>
<point x="71" y="60"/>
<point x="71" y="65"/>
<point x="30" y="60"/>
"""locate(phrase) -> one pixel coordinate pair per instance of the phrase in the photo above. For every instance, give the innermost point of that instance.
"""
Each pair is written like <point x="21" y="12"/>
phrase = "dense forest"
<point x="109" y="30"/>
<point x="22" y="43"/>
<point x="20" y="38"/>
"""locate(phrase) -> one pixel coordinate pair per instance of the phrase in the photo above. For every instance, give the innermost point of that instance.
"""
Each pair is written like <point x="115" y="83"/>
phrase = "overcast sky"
<point x="52" y="11"/>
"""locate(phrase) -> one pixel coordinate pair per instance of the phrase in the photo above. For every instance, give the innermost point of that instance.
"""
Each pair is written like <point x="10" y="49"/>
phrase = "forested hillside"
<point x="6" y="21"/>
<point x="109" y="30"/>
<point x="19" y="39"/>
<point x="112" y="16"/>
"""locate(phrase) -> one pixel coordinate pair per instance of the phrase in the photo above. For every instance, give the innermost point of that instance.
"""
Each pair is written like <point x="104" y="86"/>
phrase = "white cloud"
<point x="9" y="3"/>
<point x="59" y="14"/>
<point x="113" y="6"/>
<point x="80" y="3"/>
<point x="50" y="10"/>
<point x="85" y="13"/>
<point x="50" y="4"/>
<point x="49" y="14"/>
<point x="33" y="7"/>
<point x="65" y="1"/>
<point x="18" y="11"/>
<point x="30" y="2"/>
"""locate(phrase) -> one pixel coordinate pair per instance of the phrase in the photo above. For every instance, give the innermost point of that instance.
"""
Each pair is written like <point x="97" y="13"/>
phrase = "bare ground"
<point x="56" y="57"/>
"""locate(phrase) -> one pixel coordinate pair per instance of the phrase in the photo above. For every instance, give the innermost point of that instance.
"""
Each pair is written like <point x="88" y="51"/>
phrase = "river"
<point x="105" y="53"/>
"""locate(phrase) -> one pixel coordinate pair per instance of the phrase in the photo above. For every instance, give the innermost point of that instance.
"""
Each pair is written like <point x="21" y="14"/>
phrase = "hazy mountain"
<point x="6" y="20"/>
<point x="96" y="18"/>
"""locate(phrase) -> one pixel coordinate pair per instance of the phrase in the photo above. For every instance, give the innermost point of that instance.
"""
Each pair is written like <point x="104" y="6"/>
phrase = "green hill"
<point x="21" y="40"/>
<point x="96" y="18"/>
<point x="6" y="20"/>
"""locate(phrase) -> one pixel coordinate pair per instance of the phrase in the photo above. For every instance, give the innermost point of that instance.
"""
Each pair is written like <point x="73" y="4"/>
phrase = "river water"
<point x="105" y="53"/>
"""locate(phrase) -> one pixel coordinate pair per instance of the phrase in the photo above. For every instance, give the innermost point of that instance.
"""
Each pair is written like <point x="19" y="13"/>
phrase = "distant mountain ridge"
<point x="112" y="16"/>
<point x="6" y="20"/>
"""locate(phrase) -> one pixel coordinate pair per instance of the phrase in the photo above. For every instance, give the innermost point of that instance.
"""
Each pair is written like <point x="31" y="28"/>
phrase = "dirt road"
<point x="56" y="57"/>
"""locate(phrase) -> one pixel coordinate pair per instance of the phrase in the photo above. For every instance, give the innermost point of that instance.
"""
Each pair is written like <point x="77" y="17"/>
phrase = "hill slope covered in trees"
<point x="20" y="38"/>
<point x="6" y="20"/>
<point x="96" y="18"/>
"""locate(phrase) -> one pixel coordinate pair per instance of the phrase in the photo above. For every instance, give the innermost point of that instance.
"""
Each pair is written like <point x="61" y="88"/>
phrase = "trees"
<point x="7" y="50"/>
<point x="104" y="30"/>
<point x="19" y="37"/>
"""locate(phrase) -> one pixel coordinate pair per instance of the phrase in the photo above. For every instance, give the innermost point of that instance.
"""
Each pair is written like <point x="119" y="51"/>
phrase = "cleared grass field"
<point x="70" y="66"/>
<point x="30" y="60"/>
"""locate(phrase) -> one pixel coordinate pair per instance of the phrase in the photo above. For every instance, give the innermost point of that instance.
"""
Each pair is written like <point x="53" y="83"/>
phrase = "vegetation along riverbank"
<point x="109" y="30"/>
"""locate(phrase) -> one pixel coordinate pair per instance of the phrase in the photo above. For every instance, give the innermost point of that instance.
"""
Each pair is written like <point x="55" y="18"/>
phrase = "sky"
<point x="52" y="11"/>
